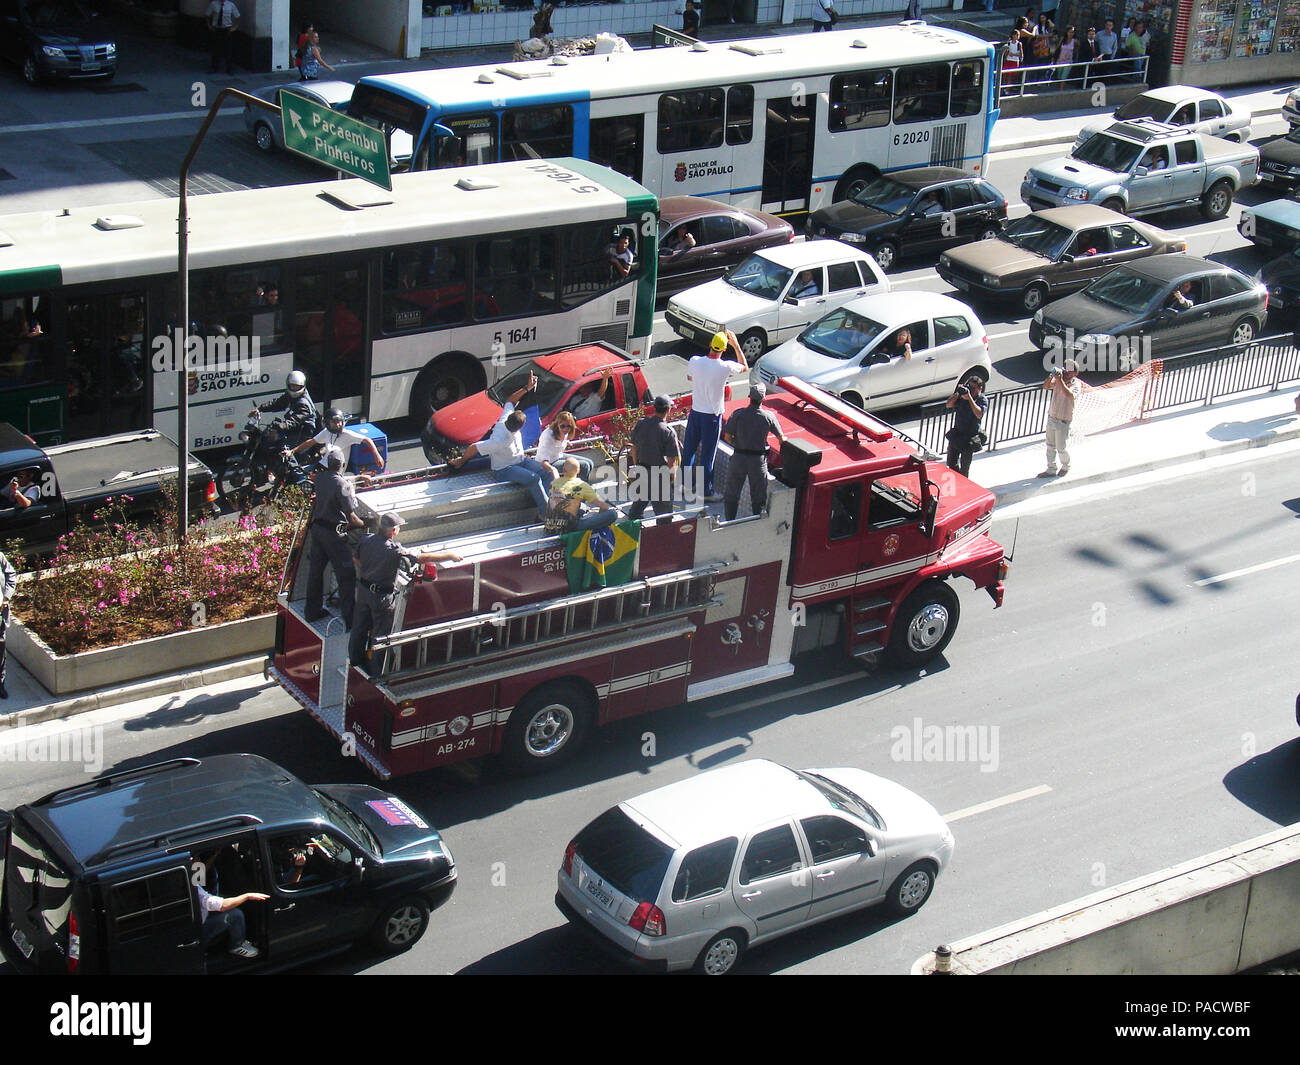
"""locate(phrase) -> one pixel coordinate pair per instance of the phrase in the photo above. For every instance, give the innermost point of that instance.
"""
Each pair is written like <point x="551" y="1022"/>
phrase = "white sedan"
<point x="1181" y="105"/>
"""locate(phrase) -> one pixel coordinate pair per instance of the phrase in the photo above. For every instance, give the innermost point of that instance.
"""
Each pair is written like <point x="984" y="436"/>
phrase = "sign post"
<point x="331" y="138"/>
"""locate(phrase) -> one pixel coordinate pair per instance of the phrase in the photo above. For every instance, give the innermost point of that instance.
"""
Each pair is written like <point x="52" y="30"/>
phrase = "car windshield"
<point x="1108" y="153"/>
<point x="842" y="334"/>
<point x="1129" y="292"/>
<point x="885" y="194"/>
<point x="841" y="798"/>
<point x="341" y="817"/>
<point x="550" y="388"/>
<point x="1036" y="234"/>
<point x="52" y="13"/>
<point x="759" y="277"/>
<point x="1146" y="107"/>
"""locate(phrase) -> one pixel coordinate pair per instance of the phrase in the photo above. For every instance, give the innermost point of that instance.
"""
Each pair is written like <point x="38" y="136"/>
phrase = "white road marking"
<point x="45" y="127"/>
<point x="993" y="804"/>
<point x="1022" y="331"/>
<point x="1233" y="574"/>
<point x="816" y="686"/>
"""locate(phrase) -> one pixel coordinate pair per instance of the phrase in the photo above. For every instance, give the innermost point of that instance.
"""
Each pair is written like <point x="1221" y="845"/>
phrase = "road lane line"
<point x="817" y="686"/>
<point x="1012" y="333"/>
<point x="993" y="804"/>
<point x="45" y="127"/>
<point x="1205" y="582"/>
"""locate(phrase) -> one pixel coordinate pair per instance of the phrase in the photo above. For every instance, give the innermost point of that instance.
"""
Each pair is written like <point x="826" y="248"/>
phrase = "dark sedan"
<point x="1167" y="305"/>
<point x="56" y="39"/>
<point x="1279" y="160"/>
<point x="923" y="210"/>
<point x="1281" y="276"/>
<point x="700" y="240"/>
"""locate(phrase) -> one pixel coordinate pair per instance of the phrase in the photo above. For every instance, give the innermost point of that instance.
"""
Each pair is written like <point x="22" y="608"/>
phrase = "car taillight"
<point x="74" y="943"/>
<point x="569" y="852"/>
<point x="648" y="918"/>
<point x="986" y="342"/>
<point x="211" y="493"/>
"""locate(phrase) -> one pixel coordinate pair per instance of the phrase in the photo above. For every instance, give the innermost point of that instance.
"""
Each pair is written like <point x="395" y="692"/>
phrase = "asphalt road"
<point x="1134" y="708"/>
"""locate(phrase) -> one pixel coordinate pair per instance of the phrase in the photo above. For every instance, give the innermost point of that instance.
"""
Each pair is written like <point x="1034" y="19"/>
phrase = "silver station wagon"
<point x="695" y="873"/>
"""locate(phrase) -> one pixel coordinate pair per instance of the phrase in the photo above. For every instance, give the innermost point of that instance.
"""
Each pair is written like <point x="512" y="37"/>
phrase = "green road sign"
<point x="332" y="138"/>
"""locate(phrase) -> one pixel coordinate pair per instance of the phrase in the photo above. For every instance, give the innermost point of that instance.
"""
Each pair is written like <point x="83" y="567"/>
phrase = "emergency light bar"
<point x="857" y="420"/>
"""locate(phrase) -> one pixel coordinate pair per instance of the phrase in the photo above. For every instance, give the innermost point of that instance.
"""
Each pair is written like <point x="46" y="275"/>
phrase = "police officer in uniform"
<point x="333" y="509"/>
<point x="379" y="559"/>
<point x="747" y="431"/>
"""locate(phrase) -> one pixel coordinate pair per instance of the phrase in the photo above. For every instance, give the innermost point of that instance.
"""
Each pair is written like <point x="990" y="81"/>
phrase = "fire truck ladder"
<point x="482" y="637"/>
<point x="868" y="621"/>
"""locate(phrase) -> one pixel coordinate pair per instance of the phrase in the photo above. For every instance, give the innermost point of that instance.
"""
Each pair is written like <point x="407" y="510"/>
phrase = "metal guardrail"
<point x="1198" y="378"/>
<point x="1035" y="78"/>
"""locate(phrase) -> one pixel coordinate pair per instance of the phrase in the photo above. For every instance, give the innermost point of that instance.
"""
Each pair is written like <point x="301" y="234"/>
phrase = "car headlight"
<point x="51" y="52"/>
<point x="110" y="48"/>
<point x="1076" y="193"/>
<point x="853" y="238"/>
<point x="1096" y="340"/>
<point x="1038" y="317"/>
<point x="992" y="281"/>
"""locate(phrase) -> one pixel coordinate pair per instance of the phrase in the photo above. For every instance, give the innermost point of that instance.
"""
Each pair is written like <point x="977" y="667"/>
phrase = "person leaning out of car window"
<point x="1181" y="300"/>
<point x="901" y="346"/>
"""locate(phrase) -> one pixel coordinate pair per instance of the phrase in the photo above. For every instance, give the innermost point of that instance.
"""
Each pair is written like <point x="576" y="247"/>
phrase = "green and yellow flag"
<point x="601" y="557"/>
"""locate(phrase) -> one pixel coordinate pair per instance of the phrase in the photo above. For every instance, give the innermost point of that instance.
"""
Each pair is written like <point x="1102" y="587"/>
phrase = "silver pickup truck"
<point x="1144" y="167"/>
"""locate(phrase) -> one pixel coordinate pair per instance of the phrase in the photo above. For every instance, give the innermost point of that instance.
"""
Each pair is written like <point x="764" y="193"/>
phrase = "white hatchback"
<point x="774" y="293"/>
<point x="1181" y="105"/>
<point x="851" y="352"/>
<point x="695" y="873"/>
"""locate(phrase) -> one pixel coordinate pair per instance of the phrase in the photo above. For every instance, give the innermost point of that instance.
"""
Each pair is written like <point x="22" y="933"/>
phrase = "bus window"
<point x="238" y="302"/>
<point x="861" y="100"/>
<point x="740" y="114"/>
<point x="537" y="132"/>
<point x="616" y="143"/>
<point x="424" y="287"/>
<point x="967" y="88"/>
<point x="22" y="339"/>
<point x="690" y="120"/>
<point x="473" y="141"/>
<point x="585" y="270"/>
<point x="921" y="93"/>
<point x="514" y="276"/>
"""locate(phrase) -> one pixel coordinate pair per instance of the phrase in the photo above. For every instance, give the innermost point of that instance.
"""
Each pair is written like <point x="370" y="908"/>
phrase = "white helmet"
<point x="296" y="383"/>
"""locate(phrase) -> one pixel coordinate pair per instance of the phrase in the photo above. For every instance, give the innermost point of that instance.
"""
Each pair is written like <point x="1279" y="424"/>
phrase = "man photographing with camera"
<point x="970" y="403"/>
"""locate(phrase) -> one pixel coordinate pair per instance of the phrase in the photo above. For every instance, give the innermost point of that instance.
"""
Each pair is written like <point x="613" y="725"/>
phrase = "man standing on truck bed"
<point x="333" y="508"/>
<point x="747" y="432"/>
<point x="708" y="376"/>
<point x="378" y="560"/>
<point x="656" y="455"/>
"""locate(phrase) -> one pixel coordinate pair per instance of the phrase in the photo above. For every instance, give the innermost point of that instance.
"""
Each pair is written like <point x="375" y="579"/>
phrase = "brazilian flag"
<point x="601" y="557"/>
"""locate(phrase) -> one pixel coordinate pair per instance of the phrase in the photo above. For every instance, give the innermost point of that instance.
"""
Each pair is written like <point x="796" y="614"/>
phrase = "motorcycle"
<point x="260" y="471"/>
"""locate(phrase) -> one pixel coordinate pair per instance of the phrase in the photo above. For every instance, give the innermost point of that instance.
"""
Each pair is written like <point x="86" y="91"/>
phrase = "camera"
<point x="962" y="390"/>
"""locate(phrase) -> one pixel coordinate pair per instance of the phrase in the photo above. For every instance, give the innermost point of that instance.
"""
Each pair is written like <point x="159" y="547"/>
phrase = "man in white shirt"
<point x="223" y="20"/>
<point x="708" y="376"/>
<point x="335" y="434"/>
<point x="504" y="447"/>
<point x="590" y="398"/>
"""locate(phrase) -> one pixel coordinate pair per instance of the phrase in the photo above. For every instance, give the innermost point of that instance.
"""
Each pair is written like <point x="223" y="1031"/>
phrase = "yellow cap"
<point x="718" y="343"/>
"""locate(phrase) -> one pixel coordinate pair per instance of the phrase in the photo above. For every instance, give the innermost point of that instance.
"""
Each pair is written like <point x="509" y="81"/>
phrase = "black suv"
<point x="923" y="210"/>
<point x="104" y="877"/>
<point x="56" y="39"/>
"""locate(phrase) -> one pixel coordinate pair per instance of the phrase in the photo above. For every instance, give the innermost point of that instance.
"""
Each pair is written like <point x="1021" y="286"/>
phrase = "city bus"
<point x="783" y="124"/>
<point x="392" y="303"/>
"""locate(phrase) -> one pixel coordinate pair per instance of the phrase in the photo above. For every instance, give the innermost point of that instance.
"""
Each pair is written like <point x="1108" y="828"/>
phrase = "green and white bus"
<point x="393" y="303"/>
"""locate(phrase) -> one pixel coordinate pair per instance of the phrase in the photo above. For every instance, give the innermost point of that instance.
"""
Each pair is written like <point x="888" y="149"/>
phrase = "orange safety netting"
<point x="1117" y="403"/>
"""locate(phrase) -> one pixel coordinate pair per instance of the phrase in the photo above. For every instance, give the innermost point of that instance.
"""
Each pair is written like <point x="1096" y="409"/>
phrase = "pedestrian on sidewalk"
<point x="1086" y="53"/>
<point x="1065" y="54"/>
<point x="690" y="19"/>
<point x="824" y="15"/>
<point x="1065" y="388"/>
<point x="8" y="585"/>
<point x="1012" y="57"/>
<point x="913" y="10"/>
<point x="300" y="45"/>
<point x="312" y="60"/>
<point x="969" y="403"/>
<point x="223" y="20"/>
<point x="708" y="376"/>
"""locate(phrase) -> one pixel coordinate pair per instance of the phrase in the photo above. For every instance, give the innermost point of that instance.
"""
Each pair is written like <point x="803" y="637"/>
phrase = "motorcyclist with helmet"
<point x="297" y="422"/>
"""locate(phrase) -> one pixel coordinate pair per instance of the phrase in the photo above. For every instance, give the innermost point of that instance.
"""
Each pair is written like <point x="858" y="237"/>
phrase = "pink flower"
<point x="167" y="569"/>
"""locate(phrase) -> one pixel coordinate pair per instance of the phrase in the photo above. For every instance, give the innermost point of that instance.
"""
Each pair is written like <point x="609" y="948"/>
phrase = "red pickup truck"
<point x="560" y="377"/>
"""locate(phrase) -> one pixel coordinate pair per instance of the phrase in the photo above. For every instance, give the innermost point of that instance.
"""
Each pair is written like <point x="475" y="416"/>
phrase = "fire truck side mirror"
<point x="931" y="507"/>
<point x="797" y="458"/>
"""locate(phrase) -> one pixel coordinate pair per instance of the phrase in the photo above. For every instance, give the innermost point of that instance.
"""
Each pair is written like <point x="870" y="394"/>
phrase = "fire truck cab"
<point x="861" y="535"/>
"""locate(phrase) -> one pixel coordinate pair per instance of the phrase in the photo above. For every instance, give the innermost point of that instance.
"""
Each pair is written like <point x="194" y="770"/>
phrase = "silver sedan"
<point x="265" y="126"/>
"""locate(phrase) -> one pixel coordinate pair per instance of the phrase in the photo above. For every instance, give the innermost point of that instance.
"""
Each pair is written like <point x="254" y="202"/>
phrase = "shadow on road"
<point x="1269" y="783"/>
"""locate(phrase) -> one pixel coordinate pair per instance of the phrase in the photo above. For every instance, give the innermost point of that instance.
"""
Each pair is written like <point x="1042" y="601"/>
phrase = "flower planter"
<point x="108" y="667"/>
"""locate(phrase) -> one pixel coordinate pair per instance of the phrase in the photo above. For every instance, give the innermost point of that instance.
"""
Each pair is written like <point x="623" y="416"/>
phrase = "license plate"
<point x="596" y="889"/>
<point x="20" y="941"/>
<point x="90" y="66"/>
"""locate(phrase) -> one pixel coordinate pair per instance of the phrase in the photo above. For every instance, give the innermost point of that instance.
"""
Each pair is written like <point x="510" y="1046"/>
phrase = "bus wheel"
<point x="854" y="182"/>
<point x="443" y="383"/>
<point x="547" y="727"/>
<point x="924" y="624"/>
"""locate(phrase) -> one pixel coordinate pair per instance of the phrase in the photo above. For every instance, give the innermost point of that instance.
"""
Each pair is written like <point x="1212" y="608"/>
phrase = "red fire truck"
<point x="862" y="532"/>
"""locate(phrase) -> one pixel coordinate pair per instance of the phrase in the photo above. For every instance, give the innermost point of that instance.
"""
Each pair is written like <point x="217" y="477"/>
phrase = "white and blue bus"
<point x="783" y="124"/>
<point x="393" y="303"/>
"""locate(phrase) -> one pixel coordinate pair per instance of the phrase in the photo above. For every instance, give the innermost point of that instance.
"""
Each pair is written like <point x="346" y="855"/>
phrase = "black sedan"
<point x="1166" y="305"/>
<point x="56" y="39"/>
<point x="1281" y="276"/>
<point x="700" y="239"/>
<point x="924" y="210"/>
<point x="1279" y="160"/>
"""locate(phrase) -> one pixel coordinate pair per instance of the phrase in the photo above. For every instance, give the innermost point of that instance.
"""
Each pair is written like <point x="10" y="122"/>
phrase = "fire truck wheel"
<point x="547" y="727"/>
<point x="400" y="926"/>
<point x="924" y="624"/>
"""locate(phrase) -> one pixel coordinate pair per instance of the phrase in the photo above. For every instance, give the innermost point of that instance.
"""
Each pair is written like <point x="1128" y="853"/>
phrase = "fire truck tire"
<point x="548" y="727"/>
<point x="924" y="624"/>
<point x="910" y="891"/>
<point x="400" y="925"/>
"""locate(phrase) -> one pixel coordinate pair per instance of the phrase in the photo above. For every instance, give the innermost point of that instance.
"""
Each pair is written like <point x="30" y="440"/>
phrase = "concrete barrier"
<point x="1216" y="915"/>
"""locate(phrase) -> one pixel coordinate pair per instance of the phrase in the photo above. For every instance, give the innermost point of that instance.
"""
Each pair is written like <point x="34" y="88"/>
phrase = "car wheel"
<point x="753" y="343"/>
<point x="1243" y="332"/>
<point x="1115" y="205"/>
<point x="1215" y="203"/>
<point x="31" y="70"/>
<point x="924" y="625"/>
<point x="264" y="137"/>
<point x="910" y="891"/>
<point x="721" y="954"/>
<point x="443" y="383"/>
<point x="854" y="182"/>
<point x="1033" y="297"/>
<point x="400" y="926"/>
<point x="886" y="255"/>
<point x="990" y="233"/>
<point x="548" y="727"/>
<point x="853" y="400"/>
